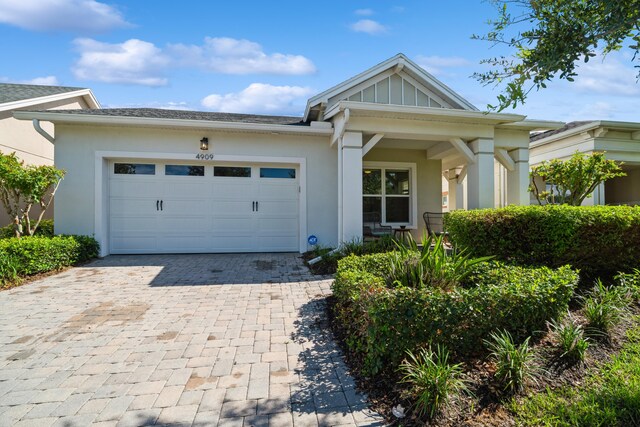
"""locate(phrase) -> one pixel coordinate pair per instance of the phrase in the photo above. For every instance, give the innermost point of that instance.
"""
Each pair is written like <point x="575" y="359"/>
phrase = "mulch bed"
<point x="485" y="407"/>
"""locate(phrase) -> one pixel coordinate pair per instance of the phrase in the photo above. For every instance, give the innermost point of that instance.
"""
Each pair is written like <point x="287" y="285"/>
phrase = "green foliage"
<point x="549" y="38"/>
<point x="434" y="266"/>
<point x="355" y="247"/>
<point x="573" y="180"/>
<point x="432" y="379"/>
<point x="382" y="323"/>
<point x="570" y="338"/>
<point x="22" y="186"/>
<point x="45" y="229"/>
<point x="604" y="308"/>
<point x="600" y="241"/>
<point x="33" y="255"/>
<point x="514" y="363"/>
<point x="608" y="397"/>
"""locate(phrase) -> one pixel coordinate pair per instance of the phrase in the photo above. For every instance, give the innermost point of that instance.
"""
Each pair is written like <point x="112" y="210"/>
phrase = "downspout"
<point x="38" y="128"/>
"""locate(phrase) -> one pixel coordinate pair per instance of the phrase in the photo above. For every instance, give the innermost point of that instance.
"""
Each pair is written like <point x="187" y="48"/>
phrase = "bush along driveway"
<point x="177" y="340"/>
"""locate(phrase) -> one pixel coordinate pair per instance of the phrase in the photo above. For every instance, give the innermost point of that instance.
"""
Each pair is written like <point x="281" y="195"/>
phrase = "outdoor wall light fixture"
<point x="204" y="143"/>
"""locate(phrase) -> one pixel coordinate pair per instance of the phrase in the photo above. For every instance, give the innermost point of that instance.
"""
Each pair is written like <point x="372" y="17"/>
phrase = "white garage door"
<point x="181" y="208"/>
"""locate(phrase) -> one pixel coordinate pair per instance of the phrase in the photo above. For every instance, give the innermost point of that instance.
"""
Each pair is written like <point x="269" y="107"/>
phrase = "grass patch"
<point x="610" y="396"/>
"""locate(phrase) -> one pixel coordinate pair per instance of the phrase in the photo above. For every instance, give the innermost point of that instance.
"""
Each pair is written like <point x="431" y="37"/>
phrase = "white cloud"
<point x="132" y="62"/>
<point x="437" y="64"/>
<point x="87" y="16"/>
<point x="368" y="26"/>
<point x="363" y="12"/>
<point x="45" y="81"/>
<point x="608" y="76"/>
<point x="238" y="56"/>
<point x="260" y="98"/>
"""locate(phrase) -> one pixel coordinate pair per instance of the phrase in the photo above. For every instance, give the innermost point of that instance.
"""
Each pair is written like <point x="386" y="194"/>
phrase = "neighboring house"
<point x="159" y="181"/>
<point x="21" y="137"/>
<point x="620" y="141"/>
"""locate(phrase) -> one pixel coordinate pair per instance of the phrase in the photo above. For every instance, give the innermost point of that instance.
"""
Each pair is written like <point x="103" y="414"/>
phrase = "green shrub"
<point x="434" y="266"/>
<point x="33" y="255"/>
<point x="514" y="363"/>
<point x="604" y="308"/>
<point x="45" y="229"/>
<point x="432" y="379"/>
<point x="570" y="338"/>
<point x="381" y="324"/>
<point x="600" y="241"/>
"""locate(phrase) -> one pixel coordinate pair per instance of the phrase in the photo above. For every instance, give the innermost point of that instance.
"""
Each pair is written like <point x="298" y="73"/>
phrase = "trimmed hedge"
<point x="600" y="241"/>
<point x="381" y="324"/>
<point x="33" y="255"/>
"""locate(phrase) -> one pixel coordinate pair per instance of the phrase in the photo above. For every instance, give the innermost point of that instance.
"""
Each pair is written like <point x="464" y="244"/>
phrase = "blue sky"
<point x="269" y="57"/>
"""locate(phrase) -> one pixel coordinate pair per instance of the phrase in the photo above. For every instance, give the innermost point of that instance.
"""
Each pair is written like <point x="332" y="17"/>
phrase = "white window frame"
<point x="413" y="190"/>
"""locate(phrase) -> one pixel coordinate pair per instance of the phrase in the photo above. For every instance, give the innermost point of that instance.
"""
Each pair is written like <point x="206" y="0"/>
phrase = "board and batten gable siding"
<point x="77" y="145"/>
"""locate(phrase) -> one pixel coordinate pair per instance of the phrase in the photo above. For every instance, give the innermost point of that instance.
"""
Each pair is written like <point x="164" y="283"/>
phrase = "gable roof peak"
<point x="399" y="62"/>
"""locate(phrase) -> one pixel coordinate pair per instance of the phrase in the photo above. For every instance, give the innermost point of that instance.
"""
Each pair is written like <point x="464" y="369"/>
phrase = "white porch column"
<point x="518" y="178"/>
<point x="456" y="191"/>
<point x="351" y="181"/>
<point x="480" y="175"/>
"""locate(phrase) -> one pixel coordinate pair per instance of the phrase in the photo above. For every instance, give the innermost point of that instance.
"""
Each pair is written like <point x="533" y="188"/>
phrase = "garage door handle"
<point x="161" y="204"/>
<point x="257" y="206"/>
<point x="253" y="206"/>
<point x="157" y="205"/>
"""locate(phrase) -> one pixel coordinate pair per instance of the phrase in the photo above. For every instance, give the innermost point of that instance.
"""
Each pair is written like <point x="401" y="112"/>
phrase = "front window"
<point x="387" y="193"/>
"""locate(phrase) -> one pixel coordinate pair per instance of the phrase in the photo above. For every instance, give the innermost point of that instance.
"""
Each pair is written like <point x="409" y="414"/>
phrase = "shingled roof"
<point x="564" y="128"/>
<point x="11" y="92"/>
<point x="157" y="113"/>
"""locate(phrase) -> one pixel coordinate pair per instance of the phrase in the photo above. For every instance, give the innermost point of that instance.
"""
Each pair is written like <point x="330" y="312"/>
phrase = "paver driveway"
<point x="175" y="340"/>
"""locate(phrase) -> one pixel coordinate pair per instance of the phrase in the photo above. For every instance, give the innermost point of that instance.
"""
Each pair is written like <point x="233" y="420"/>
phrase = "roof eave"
<point x="533" y="125"/>
<point x="426" y="112"/>
<point x="170" y="123"/>
<point x="86" y="94"/>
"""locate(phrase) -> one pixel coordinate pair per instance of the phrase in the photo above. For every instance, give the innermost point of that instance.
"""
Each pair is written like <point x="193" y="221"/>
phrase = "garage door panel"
<point x="188" y="242"/>
<point x="124" y="188"/>
<point x="185" y="207"/>
<point x="187" y="189"/>
<point x="132" y="224"/>
<point x="285" y="192"/>
<point x="190" y="224"/>
<point x="133" y="244"/>
<point x="132" y="206"/>
<point x="282" y="208"/>
<point x="235" y="224"/>
<point x="278" y="225"/>
<point x="232" y="189"/>
<point x="234" y="244"/>
<point x="239" y="207"/>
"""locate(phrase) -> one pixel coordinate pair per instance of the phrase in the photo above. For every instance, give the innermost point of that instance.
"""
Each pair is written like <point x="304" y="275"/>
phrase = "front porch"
<point x="391" y="161"/>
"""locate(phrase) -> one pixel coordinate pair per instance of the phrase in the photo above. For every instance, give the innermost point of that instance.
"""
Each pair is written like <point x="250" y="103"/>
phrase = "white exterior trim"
<point x="101" y="186"/>
<point x="172" y="123"/>
<point x="84" y="93"/>
<point x="413" y="171"/>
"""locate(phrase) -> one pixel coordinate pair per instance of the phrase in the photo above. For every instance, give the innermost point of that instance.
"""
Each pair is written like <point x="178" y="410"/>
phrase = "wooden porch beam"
<point x="340" y="127"/>
<point x="371" y="143"/>
<point x="462" y="148"/>
<point x="505" y="159"/>
<point x="462" y="175"/>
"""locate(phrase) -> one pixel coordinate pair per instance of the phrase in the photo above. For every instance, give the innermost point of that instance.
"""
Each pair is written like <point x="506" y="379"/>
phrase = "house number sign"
<point x="204" y="156"/>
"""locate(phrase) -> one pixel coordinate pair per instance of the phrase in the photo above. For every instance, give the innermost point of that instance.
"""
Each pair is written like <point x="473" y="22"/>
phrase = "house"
<point x="33" y="145"/>
<point x="620" y="141"/>
<point x="159" y="181"/>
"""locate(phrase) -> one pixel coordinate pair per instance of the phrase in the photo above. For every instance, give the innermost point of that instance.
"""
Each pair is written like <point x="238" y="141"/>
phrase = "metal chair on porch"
<point x="435" y="225"/>
<point x="372" y="226"/>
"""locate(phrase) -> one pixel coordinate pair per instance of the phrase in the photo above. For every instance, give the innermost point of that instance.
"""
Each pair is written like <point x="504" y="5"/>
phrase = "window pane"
<point x="372" y="208"/>
<point x="277" y="173"/>
<point x="397" y="182"/>
<point x="397" y="209"/>
<point x="238" y="172"/>
<point x="134" y="169"/>
<point x="371" y="181"/>
<point x="184" y="170"/>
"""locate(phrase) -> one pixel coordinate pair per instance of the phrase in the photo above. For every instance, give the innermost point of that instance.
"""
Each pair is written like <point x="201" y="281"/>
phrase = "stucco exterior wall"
<point x="624" y="189"/>
<point x="20" y="137"/>
<point x="76" y="148"/>
<point x="429" y="179"/>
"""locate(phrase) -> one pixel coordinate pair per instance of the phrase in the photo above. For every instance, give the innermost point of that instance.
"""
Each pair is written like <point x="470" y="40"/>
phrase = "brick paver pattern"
<point x="178" y="340"/>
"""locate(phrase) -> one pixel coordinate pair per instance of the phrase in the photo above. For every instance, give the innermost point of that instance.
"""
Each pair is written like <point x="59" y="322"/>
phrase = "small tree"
<point x="569" y="182"/>
<point x="22" y="186"/>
